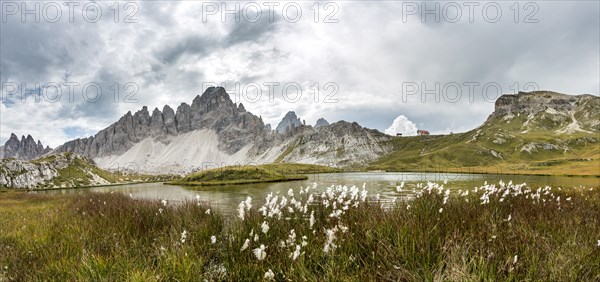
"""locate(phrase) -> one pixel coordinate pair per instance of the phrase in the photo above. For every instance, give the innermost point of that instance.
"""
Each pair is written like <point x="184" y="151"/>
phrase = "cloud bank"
<point x="358" y="61"/>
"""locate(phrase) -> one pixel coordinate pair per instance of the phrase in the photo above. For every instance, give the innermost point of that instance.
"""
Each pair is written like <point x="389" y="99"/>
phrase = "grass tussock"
<point x="493" y="232"/>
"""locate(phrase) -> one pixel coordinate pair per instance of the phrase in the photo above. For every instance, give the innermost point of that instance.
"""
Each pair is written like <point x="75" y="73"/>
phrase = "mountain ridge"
<point x="212" y="130"/>
<point x="24" y="149"/>
<point x="530" y="128"/>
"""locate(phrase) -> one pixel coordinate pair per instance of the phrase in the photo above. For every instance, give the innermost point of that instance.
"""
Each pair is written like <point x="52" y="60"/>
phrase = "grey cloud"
<point x="248" y="31"/>
<point x="202" y="45"/>
<point x="369" y="52"/>
<point x="189" y="45"/>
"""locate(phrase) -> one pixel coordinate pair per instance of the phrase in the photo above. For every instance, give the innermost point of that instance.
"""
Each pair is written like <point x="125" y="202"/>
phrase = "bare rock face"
<point x="533" y="102"/>
<point x="546" y="110"/>
<point x="340" y="144"/>
<point x="212" y="110"/>
<point x="24" y="149"/>
<point x="289" y="121"/>
<point x="169" y="120"/>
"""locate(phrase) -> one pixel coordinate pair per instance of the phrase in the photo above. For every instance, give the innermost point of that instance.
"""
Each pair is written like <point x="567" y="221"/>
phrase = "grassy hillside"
<point x="539" y="132"/>
<point x="231" y="175"/>
<point x="497" y="147"/>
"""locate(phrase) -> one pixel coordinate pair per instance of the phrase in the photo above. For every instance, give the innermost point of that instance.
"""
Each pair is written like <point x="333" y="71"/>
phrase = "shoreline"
<point x="492" y="173"/>
<point x="233" y="182"/>
<point x="5" y="189"/>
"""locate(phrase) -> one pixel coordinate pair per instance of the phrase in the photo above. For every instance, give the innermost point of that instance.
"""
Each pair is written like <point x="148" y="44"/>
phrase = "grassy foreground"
<point x="246" y="174"/>
<point x="503" y="232"/>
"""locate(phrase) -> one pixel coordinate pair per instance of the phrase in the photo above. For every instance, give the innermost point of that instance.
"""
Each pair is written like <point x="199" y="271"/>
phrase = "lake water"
<point x="227" y="198"/>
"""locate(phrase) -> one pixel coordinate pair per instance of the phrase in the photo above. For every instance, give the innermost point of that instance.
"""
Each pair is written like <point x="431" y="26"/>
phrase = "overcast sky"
<point x="370" y="61"/>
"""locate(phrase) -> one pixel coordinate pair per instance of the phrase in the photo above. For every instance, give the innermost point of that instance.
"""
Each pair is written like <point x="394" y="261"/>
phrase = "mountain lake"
<point x="226" y="198"/>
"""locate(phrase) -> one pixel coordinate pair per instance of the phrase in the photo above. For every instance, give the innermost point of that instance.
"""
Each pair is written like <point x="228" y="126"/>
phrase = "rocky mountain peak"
<point x="241" y="108"/>
<point x="25" y="149"/>
<point x="321" y="122"/>
<point x="213" y="110"/>
<point x="290" y="120"/>
<point x="213" y="98"/>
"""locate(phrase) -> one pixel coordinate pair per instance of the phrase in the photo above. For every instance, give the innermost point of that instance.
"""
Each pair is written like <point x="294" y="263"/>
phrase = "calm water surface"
<point x="227" y="198"/>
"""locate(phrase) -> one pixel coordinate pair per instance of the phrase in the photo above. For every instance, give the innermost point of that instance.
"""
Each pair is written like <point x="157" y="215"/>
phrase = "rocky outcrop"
<point x="321" y="122"/>
<point x="57" y="171"/>
<point x="24" y="149"/>
<point x="546" y="110"/>
<point x="289" y="121"/>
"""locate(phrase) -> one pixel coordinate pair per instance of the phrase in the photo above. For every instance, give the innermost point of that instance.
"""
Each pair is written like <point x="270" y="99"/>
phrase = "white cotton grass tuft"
<point x="248" y="203"/>
<point x="213" y="239"/>
<point x="207" y="211"/>
<point x="515" y="258"/>
<point x="245" y="245"/>
<point x="260" y="252"/>
<point x="269" y="275"/>
<point x="184" y="235"/>
<point x="241" y="210"/>
<point x="330" y="238"/>
<point x="244" y="207"/>
<point x="264" y="227"/>
<point x="441" y="210"/>
<point x="294" y="255"/>
<point x="399" y="187"/>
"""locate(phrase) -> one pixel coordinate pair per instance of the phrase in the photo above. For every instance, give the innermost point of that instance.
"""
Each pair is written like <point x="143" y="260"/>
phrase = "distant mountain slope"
<point x="214" y="131"/>
<point x="24" y="149"/>
<point x="341" y="144"/>
<point x="536" y="132"/>
<point x="290" y="120"/>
